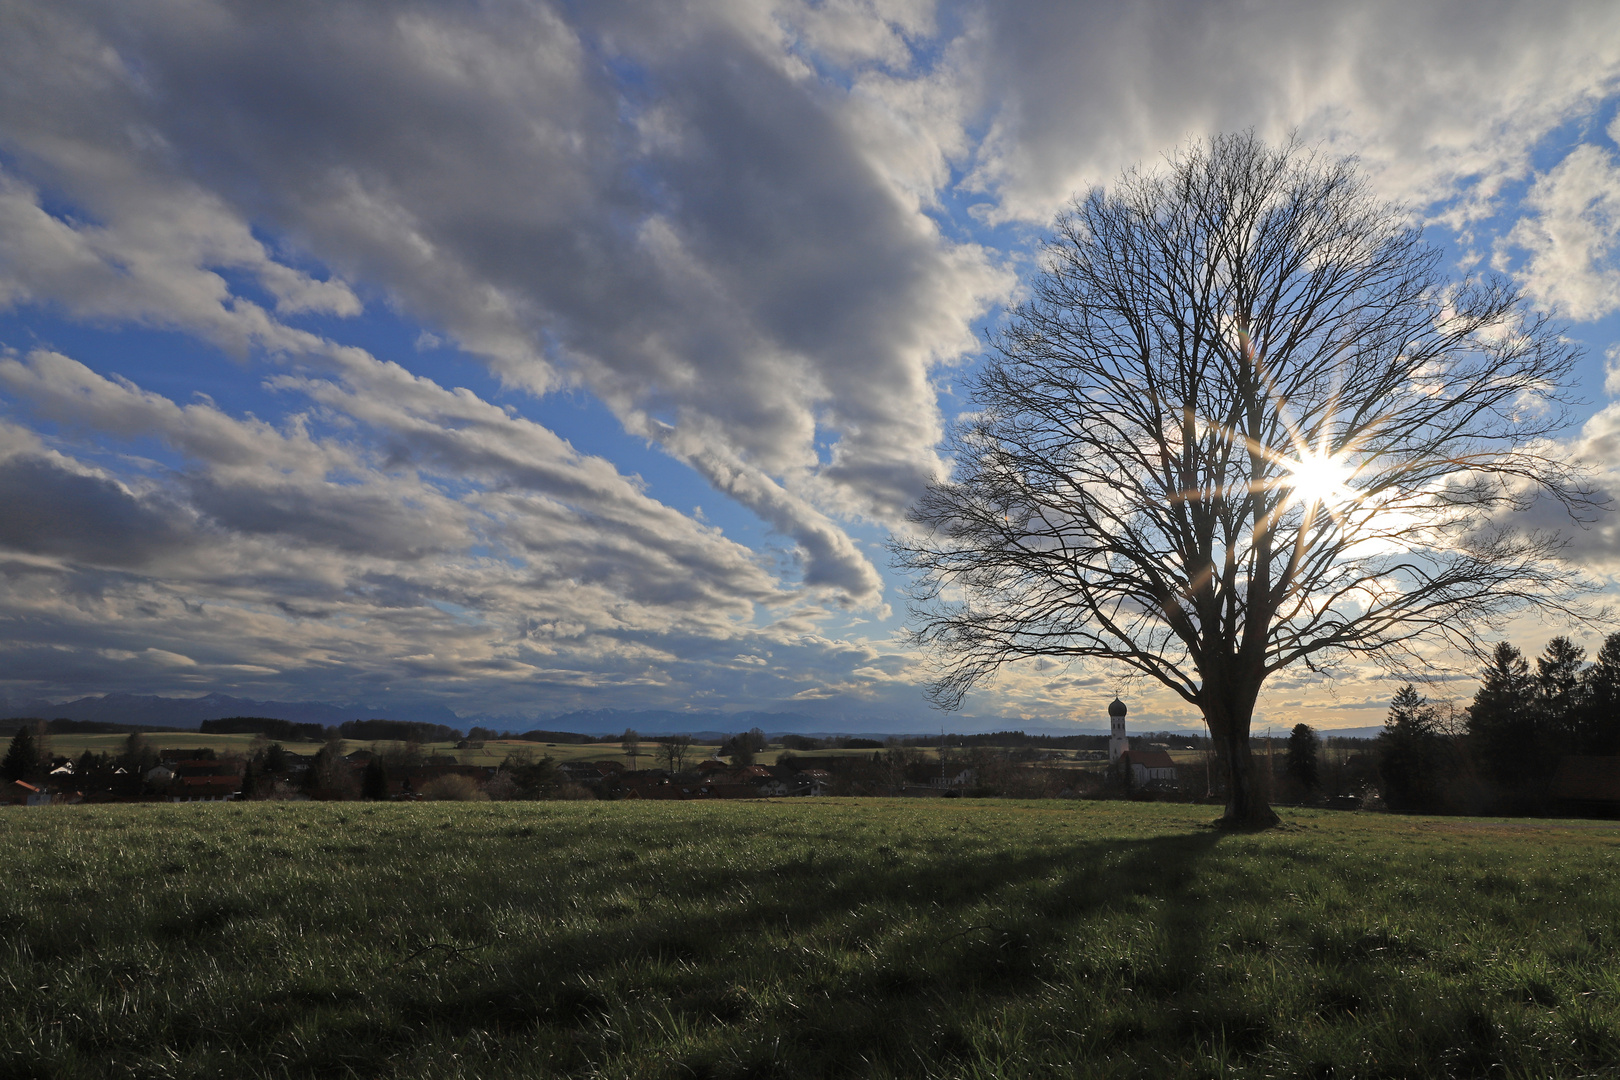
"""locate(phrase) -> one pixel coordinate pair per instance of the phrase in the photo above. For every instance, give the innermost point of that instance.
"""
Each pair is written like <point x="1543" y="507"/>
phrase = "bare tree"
<point x="673" y="749"/>
<point x="1243" y="422"/>
<point x="630" y="743"/>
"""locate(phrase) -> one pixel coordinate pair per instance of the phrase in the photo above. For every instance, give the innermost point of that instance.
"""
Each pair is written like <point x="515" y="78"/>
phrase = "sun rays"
<point x="1316" y="479"/>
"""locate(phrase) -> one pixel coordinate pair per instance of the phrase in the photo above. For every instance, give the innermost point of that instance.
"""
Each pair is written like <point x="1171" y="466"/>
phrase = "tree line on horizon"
<point x="1501" y="752"/>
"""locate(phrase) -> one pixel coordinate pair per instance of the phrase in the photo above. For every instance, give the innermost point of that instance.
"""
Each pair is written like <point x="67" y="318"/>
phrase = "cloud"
<point x="1439" y="99"/>
<point x="1570" y="236"/>
<point x="55" y="511"/>
<point x="156" y="262"/>
<point x="733" y="255"/>
<point x="452" y="470"/>
<point x="722" y="219"/>
<point x="745" y="227"/>
<point x="393" y="536"/>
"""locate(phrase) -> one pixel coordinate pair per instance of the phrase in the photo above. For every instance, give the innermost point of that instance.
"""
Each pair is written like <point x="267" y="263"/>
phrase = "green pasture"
<point x="801" y="938"/>
<point x="75" y="743"/>
<point x="495" y="751"/>
<point x="492" y="753"/>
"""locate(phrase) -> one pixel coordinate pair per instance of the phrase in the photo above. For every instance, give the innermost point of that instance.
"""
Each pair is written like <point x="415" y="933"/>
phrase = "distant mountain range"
<point x="188" y="713"/>
<point x="1355" y="732"/>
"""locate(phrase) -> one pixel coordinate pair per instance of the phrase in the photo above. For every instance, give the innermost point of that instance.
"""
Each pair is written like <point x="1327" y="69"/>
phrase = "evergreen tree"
<point x="1303" y="747"/>
<point x="1419" y="763"/>
<point x="533" y="779"/>
<point x="1597" y="729"/>
<point x="250" y="781"/>
<point x="374" y="785"/>
<point x="1502" y="724"/>
<point x="1560" y="696"/>
<point x="739" y="750"/>
<point x="42" y="746"/>
<point x="743" y="749"/>
<point x="1408" y="754"/>
<point x="22" y="756"/>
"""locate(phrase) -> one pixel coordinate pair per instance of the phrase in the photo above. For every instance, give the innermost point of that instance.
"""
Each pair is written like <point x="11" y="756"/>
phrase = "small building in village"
<point x="22" y="793"/>
<point x="1147" y="769"/>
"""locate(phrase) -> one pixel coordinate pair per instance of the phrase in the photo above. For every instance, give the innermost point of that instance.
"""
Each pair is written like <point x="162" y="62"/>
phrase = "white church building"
<point x="1147" y="768"/>
<point x="1116" y="731"/>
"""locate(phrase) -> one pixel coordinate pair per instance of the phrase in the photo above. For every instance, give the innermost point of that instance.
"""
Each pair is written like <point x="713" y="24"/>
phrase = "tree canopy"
<point x="1243" y="422"/>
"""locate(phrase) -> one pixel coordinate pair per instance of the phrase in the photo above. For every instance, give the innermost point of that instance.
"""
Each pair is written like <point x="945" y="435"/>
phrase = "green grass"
<point x="72" y="744"/>
<point x="801" y="938"/>
<point x="493" y="752"/>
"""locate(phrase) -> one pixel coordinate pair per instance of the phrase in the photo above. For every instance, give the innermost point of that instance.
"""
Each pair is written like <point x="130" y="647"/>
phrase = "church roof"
<point x="1116" y="708"/>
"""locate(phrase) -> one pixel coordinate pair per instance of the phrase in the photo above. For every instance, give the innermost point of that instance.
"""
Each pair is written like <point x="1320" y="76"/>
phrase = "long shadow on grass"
<point x="813" y="966"/>
<point x="851" y="958"/>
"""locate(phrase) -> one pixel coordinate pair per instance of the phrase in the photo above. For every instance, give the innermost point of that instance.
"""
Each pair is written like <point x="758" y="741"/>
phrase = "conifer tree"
<point x="22" y="756"/>
<point x="1301" y="765"/>
<point x="138" y="755"/>
<point x="1502" y="720"/>
<point x="374" y="785"/>
<point x="1598" y="728"/>
<point x="1560" y="695"/>
<point x="1408" y="757"/>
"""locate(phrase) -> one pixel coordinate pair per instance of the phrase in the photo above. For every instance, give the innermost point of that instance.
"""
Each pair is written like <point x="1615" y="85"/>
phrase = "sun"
<point x="1319" y="479"/>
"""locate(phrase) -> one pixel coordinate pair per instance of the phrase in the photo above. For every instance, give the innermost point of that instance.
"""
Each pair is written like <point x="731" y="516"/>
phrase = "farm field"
<point x="801" y="938"/>
<point x="493" y="752"/>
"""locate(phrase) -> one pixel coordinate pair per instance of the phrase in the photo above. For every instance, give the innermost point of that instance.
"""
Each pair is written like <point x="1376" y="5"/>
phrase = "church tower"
<point x="1116" y="730"/>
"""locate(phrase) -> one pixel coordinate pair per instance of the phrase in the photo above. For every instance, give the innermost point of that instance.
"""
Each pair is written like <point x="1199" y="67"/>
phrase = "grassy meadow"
<point x="801" y="938"/>
<point x="492" y="752"/>
<point x="495" y="751"/>
<point x="72" y="744"/>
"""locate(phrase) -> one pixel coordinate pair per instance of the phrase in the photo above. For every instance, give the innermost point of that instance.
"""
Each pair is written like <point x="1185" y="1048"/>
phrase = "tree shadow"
<point x="892" y="950"/>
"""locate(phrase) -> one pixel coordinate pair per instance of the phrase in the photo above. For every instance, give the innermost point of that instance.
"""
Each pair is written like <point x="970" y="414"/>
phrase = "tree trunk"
<point x="1246" y="804"/>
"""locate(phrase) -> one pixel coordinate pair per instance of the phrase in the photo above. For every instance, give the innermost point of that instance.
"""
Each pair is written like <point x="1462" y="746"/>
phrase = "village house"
<point x="200" y="779"/>
<point x="962" y="779"/>
<point x="1148" y="769"/>
<point x="22" y="793"/>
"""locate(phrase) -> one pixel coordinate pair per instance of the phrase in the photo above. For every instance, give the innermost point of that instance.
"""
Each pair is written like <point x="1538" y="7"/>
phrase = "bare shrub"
<point x="454" y="787"/>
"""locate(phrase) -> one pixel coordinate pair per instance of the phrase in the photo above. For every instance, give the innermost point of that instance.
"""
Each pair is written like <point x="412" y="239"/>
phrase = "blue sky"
<point x="523" y="357"/>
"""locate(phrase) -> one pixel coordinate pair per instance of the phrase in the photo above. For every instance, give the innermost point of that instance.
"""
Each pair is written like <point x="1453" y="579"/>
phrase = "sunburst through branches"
<point x="1317" y="479"/>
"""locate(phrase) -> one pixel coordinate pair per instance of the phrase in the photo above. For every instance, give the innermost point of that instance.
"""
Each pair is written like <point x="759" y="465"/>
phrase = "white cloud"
<point x="1570" y="236"/>
<point x="739" y="224"/>
<point x="1439" y="99"/>
<point x="470" y="547"/>
<point x="757" y="285"/>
